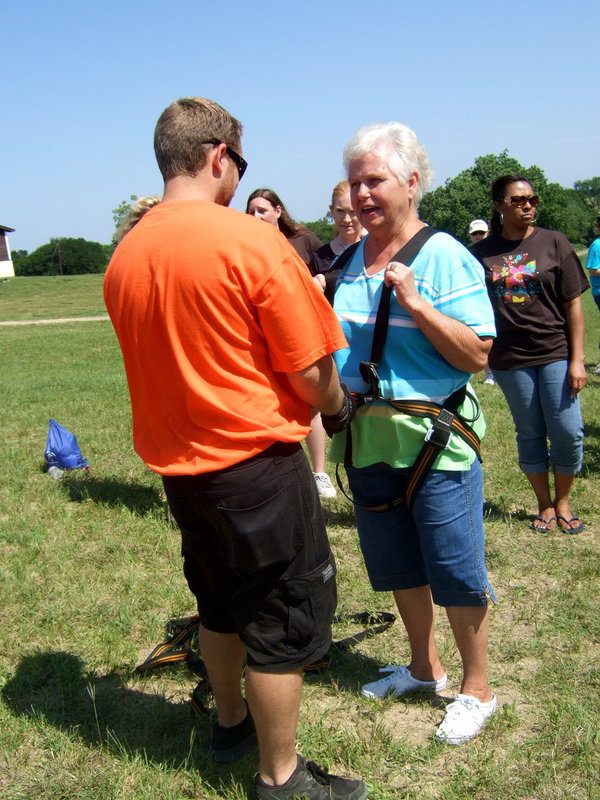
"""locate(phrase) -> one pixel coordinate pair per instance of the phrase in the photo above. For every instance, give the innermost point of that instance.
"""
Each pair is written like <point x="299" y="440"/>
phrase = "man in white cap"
<point x="478" y="230"/>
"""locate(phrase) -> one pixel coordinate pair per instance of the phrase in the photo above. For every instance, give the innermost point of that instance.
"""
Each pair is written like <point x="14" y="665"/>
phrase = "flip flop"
<point x="545" y="526"/>
<point x="568" y="528"/>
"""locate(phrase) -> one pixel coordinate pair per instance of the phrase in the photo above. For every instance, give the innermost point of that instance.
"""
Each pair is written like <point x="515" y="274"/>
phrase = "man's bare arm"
<point x="319" y="386"/>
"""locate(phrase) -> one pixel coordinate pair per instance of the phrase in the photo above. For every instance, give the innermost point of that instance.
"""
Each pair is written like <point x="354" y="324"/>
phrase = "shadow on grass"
<point x="591" y="455"/>
<point x="102" y="711"/>
<point x="497" y="512"/>
<point x="348" y="669"/>
<point x="140" y="499"/>
<point x="54" y="688"/>
<point x="344" y="518"/>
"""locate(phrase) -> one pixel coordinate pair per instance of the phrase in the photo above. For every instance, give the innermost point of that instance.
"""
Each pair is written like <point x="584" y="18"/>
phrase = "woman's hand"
<point x="402" y="279"/>
<point x="577" y="376"/>
<point x="453" y="340"/>
<point x="319" y="279"/>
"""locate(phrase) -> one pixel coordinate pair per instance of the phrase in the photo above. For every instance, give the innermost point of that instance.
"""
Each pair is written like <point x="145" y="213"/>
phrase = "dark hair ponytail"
<point x="498" y="193"/>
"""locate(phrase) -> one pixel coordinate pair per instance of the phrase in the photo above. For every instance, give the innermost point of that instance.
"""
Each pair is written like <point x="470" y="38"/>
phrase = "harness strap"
<point x="456" y="424"/>
<point x="179" y="647"/>
<point x="406" y="254"/>
<point x="446" y="421"/>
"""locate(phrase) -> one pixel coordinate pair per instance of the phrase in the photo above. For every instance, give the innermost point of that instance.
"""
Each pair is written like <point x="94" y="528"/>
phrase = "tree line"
<point x="63" y="257"/>
<point x="449" y="208"/>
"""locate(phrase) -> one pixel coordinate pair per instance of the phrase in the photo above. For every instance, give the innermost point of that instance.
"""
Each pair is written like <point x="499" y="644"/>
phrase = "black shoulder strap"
<point x="338" y="265"/>
<point x="344" y="257"/>
<point x="405" y="255"/>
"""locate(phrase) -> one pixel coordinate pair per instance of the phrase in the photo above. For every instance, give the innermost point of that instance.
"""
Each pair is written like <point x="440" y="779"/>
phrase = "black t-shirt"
<point x="528" y="283"/>
<point x="305" y="242"/>
<point x="320" y="260"/>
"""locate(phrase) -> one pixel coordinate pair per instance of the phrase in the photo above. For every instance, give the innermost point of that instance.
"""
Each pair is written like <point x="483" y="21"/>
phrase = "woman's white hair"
<point x="406" y="154"/>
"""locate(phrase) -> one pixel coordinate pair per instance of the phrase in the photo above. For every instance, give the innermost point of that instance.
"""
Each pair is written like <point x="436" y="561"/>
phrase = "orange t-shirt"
<point x="211" y="308"/>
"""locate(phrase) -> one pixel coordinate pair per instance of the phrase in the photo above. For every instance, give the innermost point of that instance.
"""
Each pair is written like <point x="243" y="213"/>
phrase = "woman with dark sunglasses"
<point x="535" y="282"/>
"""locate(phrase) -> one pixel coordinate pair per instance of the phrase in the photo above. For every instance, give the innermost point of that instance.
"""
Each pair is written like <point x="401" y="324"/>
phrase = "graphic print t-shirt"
<point x="528" y="283"/>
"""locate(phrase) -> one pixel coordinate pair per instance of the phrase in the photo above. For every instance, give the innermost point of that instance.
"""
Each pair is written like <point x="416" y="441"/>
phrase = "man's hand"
<point x="334" y="423"/>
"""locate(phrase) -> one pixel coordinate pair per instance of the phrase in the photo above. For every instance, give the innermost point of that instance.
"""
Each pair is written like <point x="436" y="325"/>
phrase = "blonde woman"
<point x="136" y="211"/>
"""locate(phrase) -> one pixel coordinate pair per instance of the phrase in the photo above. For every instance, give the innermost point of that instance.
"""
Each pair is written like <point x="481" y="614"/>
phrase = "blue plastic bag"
<point x="62" y="449"/>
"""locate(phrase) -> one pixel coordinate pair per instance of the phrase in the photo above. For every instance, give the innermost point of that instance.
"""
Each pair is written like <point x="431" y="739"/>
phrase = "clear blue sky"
<point x="84" y="82"/>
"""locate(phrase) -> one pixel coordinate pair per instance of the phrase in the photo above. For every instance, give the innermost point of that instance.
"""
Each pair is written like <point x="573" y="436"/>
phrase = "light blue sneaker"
<point x="400" y="681"/>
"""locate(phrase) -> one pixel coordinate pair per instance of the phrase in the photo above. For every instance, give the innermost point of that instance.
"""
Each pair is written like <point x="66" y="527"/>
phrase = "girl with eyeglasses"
<point x="535" y="282"/>
<point x="348" y="231"/>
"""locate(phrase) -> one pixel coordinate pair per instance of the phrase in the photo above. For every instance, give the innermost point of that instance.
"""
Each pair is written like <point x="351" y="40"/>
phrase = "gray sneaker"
<point x="311" y="782"/>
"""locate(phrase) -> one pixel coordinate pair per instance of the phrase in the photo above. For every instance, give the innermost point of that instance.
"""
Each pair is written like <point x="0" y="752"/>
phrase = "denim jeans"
<point x="439" y="542"/>
<point x="543" y="410"/>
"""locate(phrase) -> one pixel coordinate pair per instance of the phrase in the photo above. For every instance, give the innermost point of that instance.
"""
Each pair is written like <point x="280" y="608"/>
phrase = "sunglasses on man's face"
<point x="240" y="163"/>
<point x="520" y="200"/>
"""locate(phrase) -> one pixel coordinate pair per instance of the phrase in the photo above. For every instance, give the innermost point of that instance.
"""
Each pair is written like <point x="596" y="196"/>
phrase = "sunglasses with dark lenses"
<point x="520" y="200"/>
<point x="240" y="163"/>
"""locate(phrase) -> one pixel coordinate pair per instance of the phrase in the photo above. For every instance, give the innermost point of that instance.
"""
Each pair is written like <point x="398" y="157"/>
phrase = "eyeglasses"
<point x="478" y="233"/>
<point x="520" y="200"/>
<point x="240" y="163"/>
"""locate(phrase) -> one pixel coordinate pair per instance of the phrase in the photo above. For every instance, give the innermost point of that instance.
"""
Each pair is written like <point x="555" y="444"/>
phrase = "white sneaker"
<point x="597" y="370"/>
<point x="400" y="681"/>
<point x="465" y="717"/>
<point x="324" y="485"/>
<point x="489" y="378"/>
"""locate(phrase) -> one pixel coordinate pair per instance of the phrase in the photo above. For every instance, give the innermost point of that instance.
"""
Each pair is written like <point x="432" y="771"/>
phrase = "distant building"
<point x="6" y="265"/>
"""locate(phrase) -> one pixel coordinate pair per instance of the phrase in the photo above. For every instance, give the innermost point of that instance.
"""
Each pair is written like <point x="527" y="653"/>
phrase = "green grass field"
<point x="91" y="572"/>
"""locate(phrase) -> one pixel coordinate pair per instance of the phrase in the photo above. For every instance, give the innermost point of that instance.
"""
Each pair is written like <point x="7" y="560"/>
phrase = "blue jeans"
<point x="542" y="409"/>
<point x="439" y="542"/>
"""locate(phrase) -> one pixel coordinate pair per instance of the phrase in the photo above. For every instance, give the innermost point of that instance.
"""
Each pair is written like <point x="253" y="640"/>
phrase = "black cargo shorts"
<point x="257" y="557"/>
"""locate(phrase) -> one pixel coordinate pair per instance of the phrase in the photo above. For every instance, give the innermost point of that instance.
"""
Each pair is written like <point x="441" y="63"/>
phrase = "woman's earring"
<point x="501" y="218"/>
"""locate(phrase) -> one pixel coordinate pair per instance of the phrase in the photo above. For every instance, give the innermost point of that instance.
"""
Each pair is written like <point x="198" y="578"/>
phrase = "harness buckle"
<point x="369" y="374"/>
<point x="440" y="432"/>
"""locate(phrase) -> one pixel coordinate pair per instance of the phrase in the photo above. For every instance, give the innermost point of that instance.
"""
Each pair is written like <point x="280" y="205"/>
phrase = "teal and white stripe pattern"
<point x="448" y="277"/>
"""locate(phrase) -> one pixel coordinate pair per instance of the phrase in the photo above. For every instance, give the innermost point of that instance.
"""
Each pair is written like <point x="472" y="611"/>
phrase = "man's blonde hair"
<point x="184" y="127"/>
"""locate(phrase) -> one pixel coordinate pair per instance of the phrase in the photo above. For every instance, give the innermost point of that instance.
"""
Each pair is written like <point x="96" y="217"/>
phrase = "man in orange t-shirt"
<point x="227" y="345"/>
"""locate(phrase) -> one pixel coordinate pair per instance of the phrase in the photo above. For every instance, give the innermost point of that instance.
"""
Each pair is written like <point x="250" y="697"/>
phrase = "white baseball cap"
<point x="478" y="225"/>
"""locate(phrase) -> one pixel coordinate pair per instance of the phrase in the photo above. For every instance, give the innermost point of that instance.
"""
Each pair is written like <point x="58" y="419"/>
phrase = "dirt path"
<point x="53" y="321"/>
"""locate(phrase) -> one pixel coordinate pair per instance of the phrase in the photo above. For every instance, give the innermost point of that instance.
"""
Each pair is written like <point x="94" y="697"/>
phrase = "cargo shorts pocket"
<point x="312" y="600"/>
<point x="261" y="533"/>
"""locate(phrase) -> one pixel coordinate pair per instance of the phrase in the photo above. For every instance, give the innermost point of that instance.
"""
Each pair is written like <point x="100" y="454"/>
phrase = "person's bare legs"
<point x="470" y="626"/>
<point x="540" y="483"/>
<point x="315" y="442"/>
<point x="562" y="488"/>
<point x="418" y="615"/>
<point x="224" y="656"/>
<point x="274" y="700"/>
